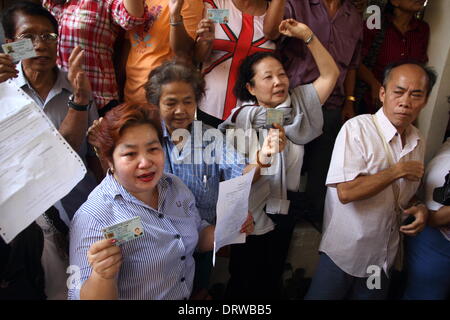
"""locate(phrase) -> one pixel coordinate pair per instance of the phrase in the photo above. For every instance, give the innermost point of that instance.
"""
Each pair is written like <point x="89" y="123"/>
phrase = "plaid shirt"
<point x="93" y="25"/>
<point x="202" y="179"/>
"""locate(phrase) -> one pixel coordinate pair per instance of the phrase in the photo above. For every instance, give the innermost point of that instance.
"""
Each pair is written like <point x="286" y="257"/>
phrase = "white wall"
<point x="433" y="119"/>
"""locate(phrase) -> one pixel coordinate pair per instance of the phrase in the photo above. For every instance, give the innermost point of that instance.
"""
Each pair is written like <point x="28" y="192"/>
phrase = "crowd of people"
<point x="134" y="86"/>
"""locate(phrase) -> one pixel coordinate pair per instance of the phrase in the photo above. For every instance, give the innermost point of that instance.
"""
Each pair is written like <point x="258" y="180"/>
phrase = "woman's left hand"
<point x="249" y="224"/>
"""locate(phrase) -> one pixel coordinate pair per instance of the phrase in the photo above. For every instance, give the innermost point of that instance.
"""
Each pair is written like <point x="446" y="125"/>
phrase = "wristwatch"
<point x="78" y="107"/>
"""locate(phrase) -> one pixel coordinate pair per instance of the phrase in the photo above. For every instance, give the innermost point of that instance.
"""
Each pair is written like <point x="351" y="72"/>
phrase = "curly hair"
<point x="246" y="74"/>
<point x="173" y="71"/>
<point x="105" y="135"/>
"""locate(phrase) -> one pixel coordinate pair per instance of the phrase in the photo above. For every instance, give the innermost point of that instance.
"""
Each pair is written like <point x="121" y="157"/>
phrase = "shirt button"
<point x="177" y="236"/>
<point x="161" y="216"/>
<point x="183" y="257"/>
<point x="182" y="279"/>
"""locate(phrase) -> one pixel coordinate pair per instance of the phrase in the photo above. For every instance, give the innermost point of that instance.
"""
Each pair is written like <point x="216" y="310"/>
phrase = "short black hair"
<point x="173" y="71"/>
<point x="246" y="74"/>
<point x="430" y="73"/>
<point x="28" y="8"/>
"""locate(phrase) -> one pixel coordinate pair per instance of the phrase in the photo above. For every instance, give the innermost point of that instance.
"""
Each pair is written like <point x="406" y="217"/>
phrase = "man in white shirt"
<point x="375" y="171"/>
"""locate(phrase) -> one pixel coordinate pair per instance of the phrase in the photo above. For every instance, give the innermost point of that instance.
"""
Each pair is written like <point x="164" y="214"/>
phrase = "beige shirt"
<point x="366" y="232"/>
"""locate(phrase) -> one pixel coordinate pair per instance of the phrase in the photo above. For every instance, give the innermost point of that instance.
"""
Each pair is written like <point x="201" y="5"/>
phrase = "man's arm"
<point x="74" y="126"/>
<point x="348" y="110"/>
<point x="273" y="18"/>
<point x="364" y="187"/>
<point x="440" y="218"/>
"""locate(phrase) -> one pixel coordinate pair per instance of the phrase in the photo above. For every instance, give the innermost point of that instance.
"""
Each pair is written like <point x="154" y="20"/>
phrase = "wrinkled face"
<point x="409" y="5"/>
<point x="138" y="160"/>
<point x="45" y="50"/>
<point x="405" y="95"/>
<point x="270" y="83"/>
<point x="177" y="105"/>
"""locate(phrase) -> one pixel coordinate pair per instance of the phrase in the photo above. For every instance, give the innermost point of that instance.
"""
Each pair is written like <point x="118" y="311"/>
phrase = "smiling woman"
<point x="130" y="139"/>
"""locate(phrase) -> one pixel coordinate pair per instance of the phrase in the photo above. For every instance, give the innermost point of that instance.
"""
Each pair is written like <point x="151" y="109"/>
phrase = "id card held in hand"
<point x="218" y="15"/>
<point x="125" y="231"/>
<point x="273" y="116"/>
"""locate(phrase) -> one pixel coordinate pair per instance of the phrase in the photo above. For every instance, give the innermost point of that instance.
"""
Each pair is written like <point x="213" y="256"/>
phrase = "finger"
<point x="7" y="76"/>
<point x="105" y="253"/>
<point x="416" y="224"/>
<point x="101" y="245"/>
<point x="76" y="59"/>
<point x="102" y="265"/>
<point x="113" y="269"/>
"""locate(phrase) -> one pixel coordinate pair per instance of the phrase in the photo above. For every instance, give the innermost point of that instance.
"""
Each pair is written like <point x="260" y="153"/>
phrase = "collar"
<point x="346" y="6"/>
<point x="61" y="80"/>
<point x="389" y="131"/>
<point x="414" y="24"/>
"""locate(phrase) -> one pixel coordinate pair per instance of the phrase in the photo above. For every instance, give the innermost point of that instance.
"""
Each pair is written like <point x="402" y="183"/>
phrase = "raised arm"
<point x="328" y="69"/>
<point x="273" y="18"/>
<point x="181" y="43"/>
<point x="204" y="40"/>
<point x="73" y="127"/>
<point x="364" y="187"/>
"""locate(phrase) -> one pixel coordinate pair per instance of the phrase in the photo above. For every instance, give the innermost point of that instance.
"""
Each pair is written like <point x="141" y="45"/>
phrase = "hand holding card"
<point x="105" y="258"/>
<point x="8" y="69"/>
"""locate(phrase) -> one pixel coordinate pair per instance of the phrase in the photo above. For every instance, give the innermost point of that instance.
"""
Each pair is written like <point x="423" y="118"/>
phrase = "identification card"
<point x="20" y="50"/>
<point x="274" y="116"/>
<point x="125" y="231"/>
<point x="218" y="15"/>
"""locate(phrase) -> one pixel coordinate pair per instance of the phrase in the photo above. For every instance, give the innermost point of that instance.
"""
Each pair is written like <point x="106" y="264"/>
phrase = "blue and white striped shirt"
<point x="202" y="178"/>
<point x="158" y="265"/>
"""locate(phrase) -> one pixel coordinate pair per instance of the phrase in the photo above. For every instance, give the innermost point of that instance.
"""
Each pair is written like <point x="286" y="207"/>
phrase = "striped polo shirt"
<point x="158" y="265"/>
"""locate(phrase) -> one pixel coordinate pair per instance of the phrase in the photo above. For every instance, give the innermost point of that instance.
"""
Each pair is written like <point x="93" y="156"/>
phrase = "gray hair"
<point x="173" y="71"/>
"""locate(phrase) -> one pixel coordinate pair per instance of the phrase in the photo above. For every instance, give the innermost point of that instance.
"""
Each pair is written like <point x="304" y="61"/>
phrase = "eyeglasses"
<point x="46" y="37"/>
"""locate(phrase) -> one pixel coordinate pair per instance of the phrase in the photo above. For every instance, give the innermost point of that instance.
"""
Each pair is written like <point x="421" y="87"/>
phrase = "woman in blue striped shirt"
<point x="159" y="264"/>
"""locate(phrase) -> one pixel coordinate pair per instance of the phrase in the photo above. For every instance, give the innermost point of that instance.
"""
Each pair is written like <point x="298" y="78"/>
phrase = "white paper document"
<point x="232" y="211"/>
<point x="37" y="166"/>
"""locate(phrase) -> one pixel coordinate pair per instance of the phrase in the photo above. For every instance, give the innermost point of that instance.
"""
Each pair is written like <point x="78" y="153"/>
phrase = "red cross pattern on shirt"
<point x="237" y="48"/>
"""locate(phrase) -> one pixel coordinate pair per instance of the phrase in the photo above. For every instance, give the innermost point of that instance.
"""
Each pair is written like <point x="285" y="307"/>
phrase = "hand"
<point x="8" y="69"/>
<point x="205" y="30"/>
<point x="175" y="9"/>
<point x="249" y="225"/>
<point x="348" y="111"/>
<point x="105" y="259"/>
<point x="78" y="79"/>
<point x="275" y="142"/>
<point x="293" y="28"/>
<point x="420" y="212"/>
<point x="410" y="170"/>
